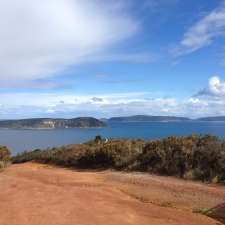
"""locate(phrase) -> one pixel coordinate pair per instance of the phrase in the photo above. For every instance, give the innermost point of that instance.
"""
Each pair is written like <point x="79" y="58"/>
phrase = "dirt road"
<point x="34" y="194"/>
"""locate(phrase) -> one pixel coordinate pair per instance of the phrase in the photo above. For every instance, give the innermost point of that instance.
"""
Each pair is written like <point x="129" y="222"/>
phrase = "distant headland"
<point x="147" y="118"/>
<point x="51" y="123"/>
<point x="87" y="122"/>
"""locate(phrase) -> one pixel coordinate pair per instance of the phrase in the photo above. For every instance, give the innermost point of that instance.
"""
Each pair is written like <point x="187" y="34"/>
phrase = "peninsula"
<point x="51" y="123"/>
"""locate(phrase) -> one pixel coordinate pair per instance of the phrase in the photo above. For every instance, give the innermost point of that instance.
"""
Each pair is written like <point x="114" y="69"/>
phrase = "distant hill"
<point x="215" y="118"/>
<point x="51" y="123"/>
<point x="145" y="118"/>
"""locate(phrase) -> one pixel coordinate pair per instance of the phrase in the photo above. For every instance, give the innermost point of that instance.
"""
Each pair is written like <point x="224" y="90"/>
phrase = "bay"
<point x="21" y="140"/>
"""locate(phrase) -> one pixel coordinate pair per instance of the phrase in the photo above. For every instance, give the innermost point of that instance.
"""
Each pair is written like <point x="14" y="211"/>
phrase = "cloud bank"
<point x="209" y="101"/>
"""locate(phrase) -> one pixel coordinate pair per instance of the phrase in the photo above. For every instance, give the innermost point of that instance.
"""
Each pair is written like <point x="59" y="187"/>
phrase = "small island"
<point x="51" y="123"/>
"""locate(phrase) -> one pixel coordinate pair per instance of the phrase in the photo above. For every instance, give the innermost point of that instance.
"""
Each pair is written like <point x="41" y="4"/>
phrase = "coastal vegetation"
<point x="193" y="157"/>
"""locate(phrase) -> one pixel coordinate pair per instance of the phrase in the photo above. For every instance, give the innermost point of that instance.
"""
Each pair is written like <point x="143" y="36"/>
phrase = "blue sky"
<point x="111" y="58"/>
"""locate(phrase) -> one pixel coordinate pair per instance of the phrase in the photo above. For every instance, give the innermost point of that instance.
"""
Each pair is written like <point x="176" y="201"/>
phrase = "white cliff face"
<point x="49" y="123"/>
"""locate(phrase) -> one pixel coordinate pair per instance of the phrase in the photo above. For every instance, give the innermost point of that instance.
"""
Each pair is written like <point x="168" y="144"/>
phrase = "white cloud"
<point x="116" y="104"/>
<point x="48" y="104"/>
<point x="46" y="99"/>
<point x="209" y="101"/>
<point x="41" y="38"/>
<point x="203" y="32"/>
<point x="216" y="88"/>
<point x="194" y="100"/>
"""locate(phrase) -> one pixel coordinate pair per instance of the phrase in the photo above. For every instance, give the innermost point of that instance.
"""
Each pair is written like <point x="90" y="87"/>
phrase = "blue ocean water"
<point x="21" y="140"/>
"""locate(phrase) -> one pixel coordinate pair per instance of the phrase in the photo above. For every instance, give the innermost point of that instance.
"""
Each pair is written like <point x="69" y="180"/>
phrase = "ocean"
<point x="26" y="140"/>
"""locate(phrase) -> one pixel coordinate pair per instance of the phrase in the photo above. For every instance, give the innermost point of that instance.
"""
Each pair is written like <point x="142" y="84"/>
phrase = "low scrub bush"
<point x="193" y="157"/>
<point x="4" y="156"/>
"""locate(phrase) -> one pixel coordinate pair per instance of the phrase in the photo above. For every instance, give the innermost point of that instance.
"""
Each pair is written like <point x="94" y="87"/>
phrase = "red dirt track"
<point x="35" y="194"/>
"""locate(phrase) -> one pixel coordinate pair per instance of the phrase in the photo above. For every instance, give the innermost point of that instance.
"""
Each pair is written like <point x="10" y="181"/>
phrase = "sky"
<point x="104" y="58"/>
